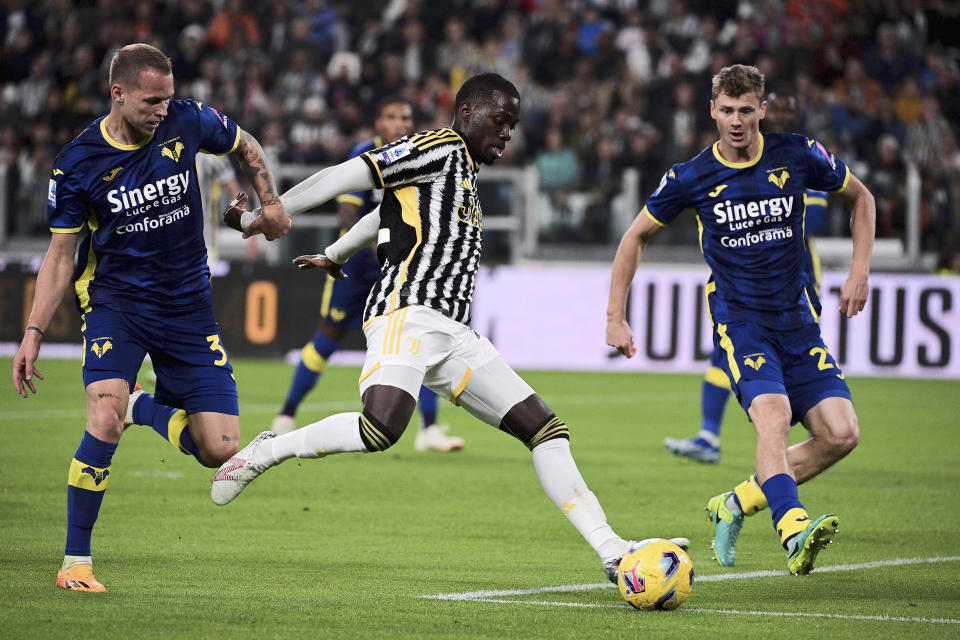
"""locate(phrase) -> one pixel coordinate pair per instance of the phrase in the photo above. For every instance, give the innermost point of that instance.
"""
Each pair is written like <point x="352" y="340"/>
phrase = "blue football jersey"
<point x="140" y="208"/>
<point x="751" y="221"/>
<point x="367" y="201"/>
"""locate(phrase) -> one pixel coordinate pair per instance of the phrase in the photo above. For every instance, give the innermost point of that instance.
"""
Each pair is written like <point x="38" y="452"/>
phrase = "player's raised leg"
<point x="174" y="426"/>
<point x="486" y="386"/>
<point x="386" y="413"/>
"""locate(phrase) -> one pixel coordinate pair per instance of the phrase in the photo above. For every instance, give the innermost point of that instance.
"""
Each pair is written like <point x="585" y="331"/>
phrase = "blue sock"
<point x="86" y="482"/>
<point x="713" y="403"/>
<point x="169" y="422"/>
<point x="313" y="360"/>
<point x="428" y="407"/>
<point x="781" y="494"/>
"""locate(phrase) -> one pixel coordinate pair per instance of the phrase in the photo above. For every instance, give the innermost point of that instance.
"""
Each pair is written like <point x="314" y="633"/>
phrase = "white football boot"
<point x="435" y="438"/>
<point x="239" y="471"/>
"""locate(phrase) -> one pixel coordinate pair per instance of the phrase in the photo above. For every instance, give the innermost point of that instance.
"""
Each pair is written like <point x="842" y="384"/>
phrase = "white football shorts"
<point x="416" y="346"/>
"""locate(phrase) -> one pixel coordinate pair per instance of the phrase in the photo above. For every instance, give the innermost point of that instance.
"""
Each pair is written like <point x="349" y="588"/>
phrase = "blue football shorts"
<point x="189" y="358"/>
<point x="795" y="363"/>
<point x="344" y="301"/>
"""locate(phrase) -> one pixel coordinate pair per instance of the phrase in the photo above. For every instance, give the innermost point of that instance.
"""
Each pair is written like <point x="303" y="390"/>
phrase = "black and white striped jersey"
<point x="429" y="242"/>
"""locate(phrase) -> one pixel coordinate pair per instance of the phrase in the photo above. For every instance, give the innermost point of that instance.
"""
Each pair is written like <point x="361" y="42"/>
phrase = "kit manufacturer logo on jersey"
<point x="171" y="149"/>
<point x="826" y="154"/>
<point x="57" y="172"/>
<point x="754" y="360"/>
<point x="466" y="184"/>
<point x="221" y="117"/>
<point x="716" y="192"/>
<point x="113" y="174"/>
<point x="779" y="180"/>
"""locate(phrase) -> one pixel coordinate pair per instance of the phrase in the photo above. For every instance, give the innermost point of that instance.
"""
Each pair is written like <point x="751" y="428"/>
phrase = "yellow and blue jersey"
<point x="752" y="224"/>
<point x="367" y="201"/>
<point x="140" y="208"/>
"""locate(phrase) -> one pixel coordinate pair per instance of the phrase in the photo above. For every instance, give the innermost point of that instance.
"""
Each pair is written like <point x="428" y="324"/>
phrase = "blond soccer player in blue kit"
<point x="123" y="198"/>
<point x="748" y="194"/>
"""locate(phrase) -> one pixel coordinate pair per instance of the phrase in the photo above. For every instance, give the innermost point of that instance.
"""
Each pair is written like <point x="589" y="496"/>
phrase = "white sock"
<point x="339" y="433"/>
<point x="69" y="561"/>
<point x="564" y="485"/>
<point x="731" y="503"/>
<point x="710" y="438"/>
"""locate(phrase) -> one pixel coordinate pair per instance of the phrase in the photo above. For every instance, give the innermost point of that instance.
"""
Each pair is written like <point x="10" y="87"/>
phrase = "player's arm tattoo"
<point x="104" y="395"/>
<point x="254" y="163"/>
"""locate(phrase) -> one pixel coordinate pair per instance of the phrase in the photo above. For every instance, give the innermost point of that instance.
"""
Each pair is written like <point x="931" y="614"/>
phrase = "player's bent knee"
<point x="550" y="428"/>
<point x="846" y="439"/>
<point x="376" y="435"/>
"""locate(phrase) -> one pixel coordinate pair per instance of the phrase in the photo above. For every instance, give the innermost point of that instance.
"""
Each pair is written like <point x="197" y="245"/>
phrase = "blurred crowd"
<point x="605" y="84"/>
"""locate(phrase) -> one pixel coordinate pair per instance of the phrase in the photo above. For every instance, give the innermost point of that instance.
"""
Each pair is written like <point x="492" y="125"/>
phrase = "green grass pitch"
<point x="346" y="547"/>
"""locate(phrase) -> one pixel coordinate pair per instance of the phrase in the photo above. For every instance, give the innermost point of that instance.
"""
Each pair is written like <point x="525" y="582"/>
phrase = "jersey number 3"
<point x="216" y="347"/>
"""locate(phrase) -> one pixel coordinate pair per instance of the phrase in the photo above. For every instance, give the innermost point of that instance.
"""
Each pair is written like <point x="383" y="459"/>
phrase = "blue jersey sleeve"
<point x="669" y="199"/>
<point x="66" y="206"/>
<point x="218" y="133"/>
<point x="357" y="198"/>
<point x="826" y="172"/>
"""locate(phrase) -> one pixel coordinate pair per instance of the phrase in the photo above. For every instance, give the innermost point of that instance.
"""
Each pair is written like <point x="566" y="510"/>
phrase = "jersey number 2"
<point x="820" y="352"/>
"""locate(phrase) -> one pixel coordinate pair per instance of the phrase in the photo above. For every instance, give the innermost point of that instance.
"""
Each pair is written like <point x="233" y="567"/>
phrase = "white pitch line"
<point x="350" y="405"/>
<point x="739" y="612"/>
<point x="834" y="616"/>
<point x="718" y="577"/>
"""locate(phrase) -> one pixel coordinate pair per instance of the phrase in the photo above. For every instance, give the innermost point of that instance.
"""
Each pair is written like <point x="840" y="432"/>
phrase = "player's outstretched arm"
<point x="52" y="281"/>
<point x="346" y="177"/>
<point x="273" y="221"/>
<point x="629" y="254"/>
<point x="863" y="226"/>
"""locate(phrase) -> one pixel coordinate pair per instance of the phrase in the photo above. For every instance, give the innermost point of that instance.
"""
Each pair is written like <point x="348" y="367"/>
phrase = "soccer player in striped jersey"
<point x="428" y="233"/>
<point x="125" y="192"/>
<point x="344" y="300"/>
<point x="747" y="190"/>
<point x="782" y="115"/>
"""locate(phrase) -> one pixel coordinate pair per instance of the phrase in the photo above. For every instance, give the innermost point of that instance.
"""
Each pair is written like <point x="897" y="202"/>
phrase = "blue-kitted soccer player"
<point x="344" y="300"/>
<point x="125" y="192"/>
<point x="782" y="115"/>
<point x="748" y="193"/>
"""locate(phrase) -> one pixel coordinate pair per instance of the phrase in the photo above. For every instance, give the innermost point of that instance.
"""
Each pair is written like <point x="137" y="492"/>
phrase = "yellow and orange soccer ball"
<point x="655" y="574"/>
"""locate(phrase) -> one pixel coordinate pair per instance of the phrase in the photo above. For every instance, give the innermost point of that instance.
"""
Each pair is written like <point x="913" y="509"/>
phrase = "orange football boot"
<point x="79" y="577"/>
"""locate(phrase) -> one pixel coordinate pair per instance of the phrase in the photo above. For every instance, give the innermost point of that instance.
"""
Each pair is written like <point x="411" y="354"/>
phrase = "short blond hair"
<point x="132" y="59"/>
<point x="738" y="79"/>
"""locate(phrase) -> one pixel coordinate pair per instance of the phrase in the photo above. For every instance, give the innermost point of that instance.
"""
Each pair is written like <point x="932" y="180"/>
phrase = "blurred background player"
<point x="125" y="193"/>
<point x="218" y="180"/>
<point x="760" y="304"/>
<point x="343" y="301"/>
<point x="783" y="114"/>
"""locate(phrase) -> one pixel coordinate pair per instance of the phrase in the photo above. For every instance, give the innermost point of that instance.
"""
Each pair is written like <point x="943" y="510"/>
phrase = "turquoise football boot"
<point x="811" y="541"/>
<point x="726" y="528"/>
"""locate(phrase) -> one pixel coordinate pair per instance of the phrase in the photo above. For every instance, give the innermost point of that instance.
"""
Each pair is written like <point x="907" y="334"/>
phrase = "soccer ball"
<point x="655" y="574"/>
